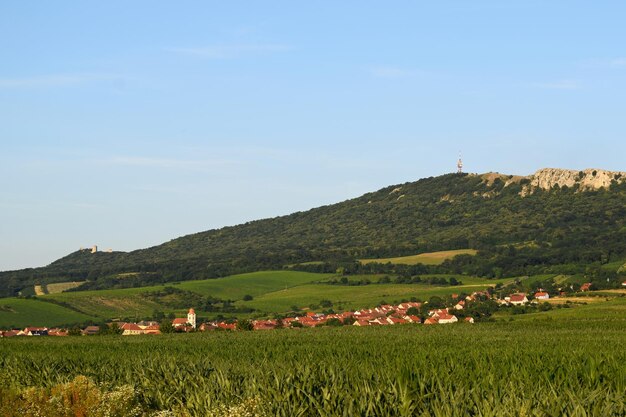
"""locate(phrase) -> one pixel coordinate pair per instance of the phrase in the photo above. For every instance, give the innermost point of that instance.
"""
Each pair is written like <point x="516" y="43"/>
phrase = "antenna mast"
<point x="459" y="165"/>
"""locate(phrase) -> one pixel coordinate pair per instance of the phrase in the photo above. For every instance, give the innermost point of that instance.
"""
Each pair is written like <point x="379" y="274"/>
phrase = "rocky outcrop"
<point x="589" y="179"/>
<point x="549" y="178"/>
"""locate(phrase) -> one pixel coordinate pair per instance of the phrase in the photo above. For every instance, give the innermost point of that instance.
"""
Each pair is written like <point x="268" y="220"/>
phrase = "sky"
<point x="127" y="124"/>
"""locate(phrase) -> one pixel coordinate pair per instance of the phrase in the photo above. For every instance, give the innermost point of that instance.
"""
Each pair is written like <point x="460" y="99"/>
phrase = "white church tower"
<point x="191" y="317"/>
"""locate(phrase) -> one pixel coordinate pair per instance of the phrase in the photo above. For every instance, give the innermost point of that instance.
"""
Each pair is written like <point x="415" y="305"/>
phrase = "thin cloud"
<point x="391" y="72"/>
<point x="169" y="163"/>
<point x="55" y="80"/>
<point x="225" y="51"/>
<point x="611" y="63"/>
<point x="618" y="63"/>
<point x="560" y="85"/>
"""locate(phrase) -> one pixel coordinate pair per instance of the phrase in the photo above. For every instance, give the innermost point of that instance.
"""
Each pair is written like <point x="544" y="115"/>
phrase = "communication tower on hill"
<point x="459" y="165"/>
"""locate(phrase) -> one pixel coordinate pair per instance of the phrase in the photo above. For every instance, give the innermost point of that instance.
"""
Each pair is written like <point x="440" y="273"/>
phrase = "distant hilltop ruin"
<point x="94" y="249"/>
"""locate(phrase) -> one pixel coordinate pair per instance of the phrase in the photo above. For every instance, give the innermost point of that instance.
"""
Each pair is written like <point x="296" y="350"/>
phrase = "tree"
<point x="413" y="311"/>
<point x="436" y="302"/>
<point x="166" y="326"/>
<point x="114" y="328"/>
<point x="245" y="325"/>
<point x="74" y="331"/>
<point x="247" y="297"/>
<point x="326" y="303"/>
<point x="384" y="280"/>
<point x="349" y="321"/>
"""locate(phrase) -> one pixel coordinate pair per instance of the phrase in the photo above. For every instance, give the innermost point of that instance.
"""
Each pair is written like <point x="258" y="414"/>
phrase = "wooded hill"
<point x="517" y="228"/>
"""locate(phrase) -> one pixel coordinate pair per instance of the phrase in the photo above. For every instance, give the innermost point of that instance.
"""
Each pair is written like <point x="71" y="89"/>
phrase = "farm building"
<point x="518" y="299"/>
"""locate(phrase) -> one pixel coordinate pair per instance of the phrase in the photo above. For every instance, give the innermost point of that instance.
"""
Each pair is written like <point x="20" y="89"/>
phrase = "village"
<point x="383" y="315"/>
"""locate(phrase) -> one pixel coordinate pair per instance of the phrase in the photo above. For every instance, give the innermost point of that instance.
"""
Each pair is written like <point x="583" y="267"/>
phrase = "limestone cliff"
<point x="589" y="179"/>
<point x="548" y="178"/>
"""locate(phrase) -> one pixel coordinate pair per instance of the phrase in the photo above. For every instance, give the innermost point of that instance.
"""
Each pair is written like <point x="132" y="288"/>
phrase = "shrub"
<point x="79" y="397"/>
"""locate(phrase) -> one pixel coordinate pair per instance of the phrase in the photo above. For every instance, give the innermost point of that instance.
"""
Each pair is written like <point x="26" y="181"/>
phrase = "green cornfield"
<point x="539" y="368"/>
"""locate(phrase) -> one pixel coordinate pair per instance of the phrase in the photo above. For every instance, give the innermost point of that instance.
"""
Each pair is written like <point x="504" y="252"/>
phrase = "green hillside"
<point x="129" y="302"/>
<point x="356" y="297"/>
<point x="260" y="294"/>
<point x="138" y="303"/>
<point x="562" y="230"/>
<point x="28" y="312"/>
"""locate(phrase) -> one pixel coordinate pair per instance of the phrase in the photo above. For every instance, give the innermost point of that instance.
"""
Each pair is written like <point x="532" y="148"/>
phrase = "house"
<point x="413" y="319"/>
<point x="460" y="305"/>
<point x="131" y="329"/>
<point x="287" y="321"/>
<point x="469" y="320"/>
<point x="585" y="287"/>
<point x="361" y="322"/>
<point x="35" y="331"/>
<point x="406" y="306"/>
<point x="542" y="295"/>
<point x="624" y="284"/>
<point x="264" y="324"/>
<point x="90" y="330"/>
<point x="431" y="320"/>
<point x="9" y="333"/>
<point x="395" y="320"/>
<point x="179" y="323"/>
<point x="438" y="312"/>
<point x="308" y="321"/>
<point x="518" y="299"/>
<point x="447" y="319"/>
<point x="226" y="326"/>
<point x="58" y="332"/>
<point x="152" y="329"/>
<point x="185" y="324"/>
<point x="145" y="324"/>
<point x="205" y="327"/>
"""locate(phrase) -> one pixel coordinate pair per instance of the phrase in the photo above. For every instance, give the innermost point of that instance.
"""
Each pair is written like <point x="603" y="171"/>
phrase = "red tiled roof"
<point x="415" y="319"/>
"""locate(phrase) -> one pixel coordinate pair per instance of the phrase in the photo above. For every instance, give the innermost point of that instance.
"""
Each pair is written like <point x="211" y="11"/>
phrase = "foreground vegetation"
<point x="536" y="368"/>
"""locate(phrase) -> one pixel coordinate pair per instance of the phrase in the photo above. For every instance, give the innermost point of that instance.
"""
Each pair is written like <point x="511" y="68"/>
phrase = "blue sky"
<point x="126" y="124"/>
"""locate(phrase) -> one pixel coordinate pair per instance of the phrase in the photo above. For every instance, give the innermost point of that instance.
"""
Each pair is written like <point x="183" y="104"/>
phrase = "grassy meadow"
<point x="433" y="258"/>
<point x="355" y="297"/>
<point x="20" y="313"/>
<point x="128" y="302"/>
